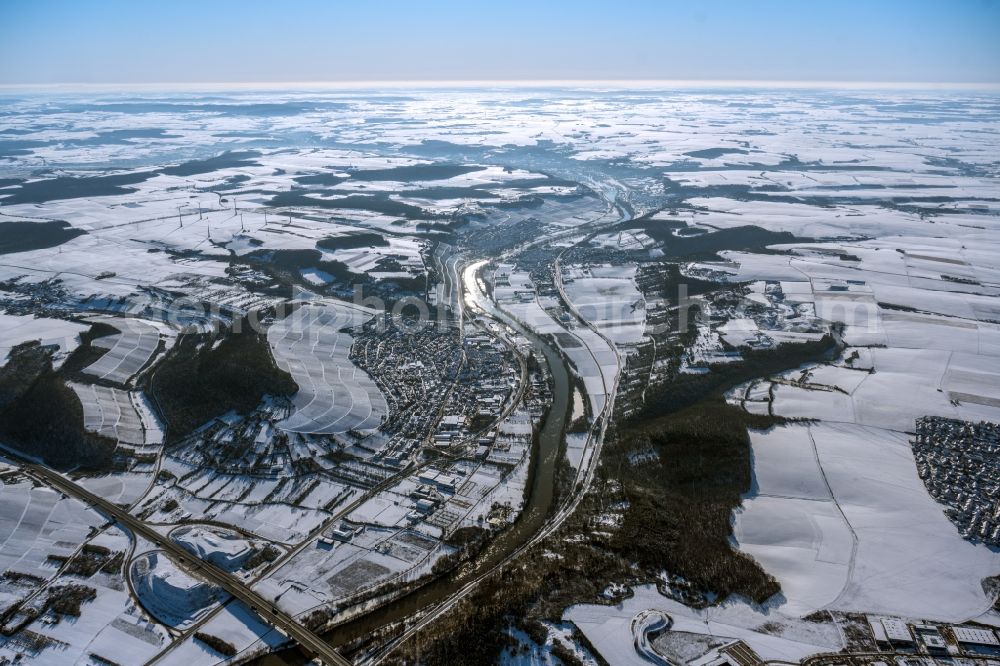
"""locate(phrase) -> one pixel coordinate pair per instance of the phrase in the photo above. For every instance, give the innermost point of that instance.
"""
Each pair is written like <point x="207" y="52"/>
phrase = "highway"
<point x="307" y="542"/>
<point x="263" y="607"/>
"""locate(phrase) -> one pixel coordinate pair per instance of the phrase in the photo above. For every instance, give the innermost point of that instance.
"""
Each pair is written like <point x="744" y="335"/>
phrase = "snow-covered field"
<point x="128" y="351"/>
<point x="119" y="487"/>
<point x="38" y="522"/>
<point x="334" y="395"/>
<point x="110" y="412"/>
<point x="593" y="358"/>
<point x="608" y="297"/>
<point x="15" y="330"/>
<point x="235" y="624"/>
<point x="840" y="516"/>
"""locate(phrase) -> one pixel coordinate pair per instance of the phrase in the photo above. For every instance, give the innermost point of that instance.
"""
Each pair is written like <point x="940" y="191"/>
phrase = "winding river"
<point x="532" y="518"/>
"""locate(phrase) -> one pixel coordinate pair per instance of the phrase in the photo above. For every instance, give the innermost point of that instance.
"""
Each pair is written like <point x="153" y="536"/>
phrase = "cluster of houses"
<point x="959" y="463"/>
<point x="421" y="368"/>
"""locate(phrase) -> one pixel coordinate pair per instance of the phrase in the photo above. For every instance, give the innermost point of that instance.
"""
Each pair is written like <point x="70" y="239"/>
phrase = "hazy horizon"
<point x="583" y="85"/>
<point x="114" y="43"/>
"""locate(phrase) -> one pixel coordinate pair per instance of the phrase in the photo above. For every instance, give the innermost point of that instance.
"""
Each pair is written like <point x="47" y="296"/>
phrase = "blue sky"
<point x="180" y="41"/>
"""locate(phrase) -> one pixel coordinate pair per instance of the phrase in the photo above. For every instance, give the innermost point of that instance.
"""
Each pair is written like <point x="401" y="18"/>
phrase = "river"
<point x="532" y="518"/>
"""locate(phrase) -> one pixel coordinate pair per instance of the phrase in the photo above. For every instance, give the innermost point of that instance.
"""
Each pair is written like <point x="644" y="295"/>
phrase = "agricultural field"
<point x="110" y="412"/>
<point x="38" y="523"/>
<point x="127" y="352"/>
<point x="607" y="296"/>
<point x="334" y="395"/>
<point x="19" y="329"/>
<point x="858" y="528"/>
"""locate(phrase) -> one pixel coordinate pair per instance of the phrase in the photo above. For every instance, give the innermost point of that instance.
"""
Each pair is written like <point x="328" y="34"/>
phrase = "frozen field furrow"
<point x="128" y="351"/>
<point x="110" y="412"/>
<point x="334" y="395"/>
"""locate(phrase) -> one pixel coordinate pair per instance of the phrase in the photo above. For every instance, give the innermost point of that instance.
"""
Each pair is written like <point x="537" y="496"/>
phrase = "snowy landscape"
<point x="338" y="373"/>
